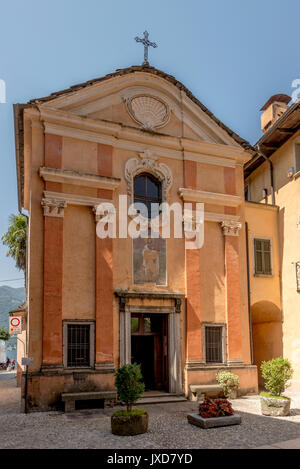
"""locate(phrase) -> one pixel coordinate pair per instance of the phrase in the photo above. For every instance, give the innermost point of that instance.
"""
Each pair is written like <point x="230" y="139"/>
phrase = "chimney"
<point x="274" y="108"/>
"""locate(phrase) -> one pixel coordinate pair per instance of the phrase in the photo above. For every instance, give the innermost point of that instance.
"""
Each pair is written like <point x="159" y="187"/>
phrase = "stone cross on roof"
<point x="145" y="41"/>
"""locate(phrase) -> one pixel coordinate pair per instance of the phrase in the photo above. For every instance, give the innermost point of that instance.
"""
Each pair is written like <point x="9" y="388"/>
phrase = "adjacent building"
<point x="272" y="191"/>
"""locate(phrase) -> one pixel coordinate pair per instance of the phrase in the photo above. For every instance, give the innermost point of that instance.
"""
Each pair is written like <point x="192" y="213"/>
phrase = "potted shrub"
<point x="229" y="382"/>
<point x="214" y="413"/>
<point x="130" y="387"/>
<point x="276" y="373"/>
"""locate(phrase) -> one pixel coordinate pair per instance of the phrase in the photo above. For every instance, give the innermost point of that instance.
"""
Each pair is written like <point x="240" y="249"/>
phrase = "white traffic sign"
<point x="27" y="361"/>
<point x="15" y="325"/>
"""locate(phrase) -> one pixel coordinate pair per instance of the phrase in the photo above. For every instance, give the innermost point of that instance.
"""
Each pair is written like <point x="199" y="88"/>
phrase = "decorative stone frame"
<point x="174" y="334"/>
<point x="224" y="343"/>
<point x="66" y="323"/>
<point x="147" y="162"/>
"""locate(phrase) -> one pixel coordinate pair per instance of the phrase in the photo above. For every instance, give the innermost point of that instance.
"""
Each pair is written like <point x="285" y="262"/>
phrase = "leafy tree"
<point x="4" y="334"/>
<point x="15" y="239"/>
<point x="129" y="384"/>
<point x="276" y="374"/>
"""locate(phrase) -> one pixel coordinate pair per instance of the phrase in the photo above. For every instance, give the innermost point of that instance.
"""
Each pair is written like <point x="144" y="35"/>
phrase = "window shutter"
<point x="262" y="250"/>
<point x="258" y="256"/>
<point x="267" y="257"/>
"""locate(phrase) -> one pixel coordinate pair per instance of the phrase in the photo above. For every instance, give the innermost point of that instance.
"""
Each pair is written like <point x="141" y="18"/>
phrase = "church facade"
<point x="94" y="304"/>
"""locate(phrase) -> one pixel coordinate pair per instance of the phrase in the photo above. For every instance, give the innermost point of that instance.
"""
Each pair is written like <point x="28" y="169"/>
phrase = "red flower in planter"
<point x="215" y="408"/>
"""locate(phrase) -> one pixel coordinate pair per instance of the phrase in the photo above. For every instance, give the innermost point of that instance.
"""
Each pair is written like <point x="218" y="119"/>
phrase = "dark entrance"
<point x="149" y="348"/>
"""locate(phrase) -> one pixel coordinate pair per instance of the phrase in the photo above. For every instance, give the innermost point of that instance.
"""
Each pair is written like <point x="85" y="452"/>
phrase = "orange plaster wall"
<point x="104" y="300"/>
<point x="210" y="178"/>
<point x="79" y="155"/>
<point x="233" y="297"/>
<point x="79" y="263"/>
<point x="104" y="160"/>
<point x="190" y="174"/>
<point x="193" y="305"/>
<point x="212" y="274"/>
<point x="104" y="272"/>
<point x="35" y="246"/>
<point x="53" y="271"/>
<point x="53" y="151"/>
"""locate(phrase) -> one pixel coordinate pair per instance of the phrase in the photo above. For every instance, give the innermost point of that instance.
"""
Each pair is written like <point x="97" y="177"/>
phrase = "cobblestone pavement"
<point x="168" y="427"/>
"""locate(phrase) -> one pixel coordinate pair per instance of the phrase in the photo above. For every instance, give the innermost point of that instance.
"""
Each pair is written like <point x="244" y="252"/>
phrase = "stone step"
<point x="160" y="400"/>
<point x="157" y="394"/>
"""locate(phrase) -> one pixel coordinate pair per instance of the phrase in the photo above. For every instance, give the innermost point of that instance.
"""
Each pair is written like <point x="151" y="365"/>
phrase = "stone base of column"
<point x="105" y="367"/>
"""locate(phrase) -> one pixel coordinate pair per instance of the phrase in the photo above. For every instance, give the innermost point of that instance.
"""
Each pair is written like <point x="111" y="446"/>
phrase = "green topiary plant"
<point x="229" y="382"/>
<point x="276" y="373"/>
<point x="129" y="384"/>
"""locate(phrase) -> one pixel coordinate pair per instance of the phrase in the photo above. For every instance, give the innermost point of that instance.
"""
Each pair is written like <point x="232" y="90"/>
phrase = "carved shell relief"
<point x="149" y="111"/>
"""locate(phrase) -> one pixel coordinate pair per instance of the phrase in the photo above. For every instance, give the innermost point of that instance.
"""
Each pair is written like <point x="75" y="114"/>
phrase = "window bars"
<point x="78" y="345"/>
<point x="214" y="344"/>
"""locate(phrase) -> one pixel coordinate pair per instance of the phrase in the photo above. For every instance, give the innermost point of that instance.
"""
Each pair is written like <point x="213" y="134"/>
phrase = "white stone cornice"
<point x="66" y="124"/>
<point x="74" y="199"/>
<point x="220" y="217"/>
<point x="231" y="227"/>
<point x="79" y="179"/>
<point x="214" y="198"/>
<point x="53" y="207"/>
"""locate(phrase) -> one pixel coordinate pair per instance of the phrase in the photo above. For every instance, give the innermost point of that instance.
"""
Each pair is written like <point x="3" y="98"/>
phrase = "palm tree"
<point x="15" y="239"/>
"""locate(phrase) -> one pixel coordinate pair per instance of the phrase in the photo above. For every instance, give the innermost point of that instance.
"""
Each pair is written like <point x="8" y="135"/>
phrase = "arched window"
<point x="147" y="190"/>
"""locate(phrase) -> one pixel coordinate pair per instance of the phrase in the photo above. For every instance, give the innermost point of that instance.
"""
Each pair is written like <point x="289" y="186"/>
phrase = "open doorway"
<point x="149" y="348"/>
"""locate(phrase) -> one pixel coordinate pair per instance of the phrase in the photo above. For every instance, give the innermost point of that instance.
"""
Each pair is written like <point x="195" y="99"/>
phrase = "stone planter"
<point x="271" y="406"/>
<point x="129" y="425"/>
<point x="195" y="419"/>
<point x="232" y="394"/>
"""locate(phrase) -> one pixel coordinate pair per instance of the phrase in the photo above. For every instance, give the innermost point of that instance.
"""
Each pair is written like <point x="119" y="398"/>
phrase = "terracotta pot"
<point x="129" y="425"/>
<point x="271" y="406"/>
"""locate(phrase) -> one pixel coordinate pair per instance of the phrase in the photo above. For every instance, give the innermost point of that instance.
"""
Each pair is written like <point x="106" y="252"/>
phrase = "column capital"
<point x="231" y="227"/>
<point x="97" y="215"/>
<point x="53" y="207"/>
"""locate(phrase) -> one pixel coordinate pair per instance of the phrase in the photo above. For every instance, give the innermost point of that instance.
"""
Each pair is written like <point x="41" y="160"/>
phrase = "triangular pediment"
<point x="142" y="98"/>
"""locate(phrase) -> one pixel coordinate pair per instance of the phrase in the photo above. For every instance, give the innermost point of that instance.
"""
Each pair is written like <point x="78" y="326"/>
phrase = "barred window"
<point x="78" y="339"/>
<point x="214" y="344"/>
<point x="262" y="251"/>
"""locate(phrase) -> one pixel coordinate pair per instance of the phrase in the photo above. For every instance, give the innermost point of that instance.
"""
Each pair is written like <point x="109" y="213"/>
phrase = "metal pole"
<point x="26" y="388"/>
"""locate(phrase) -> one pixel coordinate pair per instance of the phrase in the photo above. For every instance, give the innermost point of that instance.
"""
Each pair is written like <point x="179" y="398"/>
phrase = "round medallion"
<point x="148" y="111"/>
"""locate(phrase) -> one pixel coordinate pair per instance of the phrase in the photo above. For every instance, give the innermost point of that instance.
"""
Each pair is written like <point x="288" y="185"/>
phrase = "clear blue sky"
<point x="232" y="54"/>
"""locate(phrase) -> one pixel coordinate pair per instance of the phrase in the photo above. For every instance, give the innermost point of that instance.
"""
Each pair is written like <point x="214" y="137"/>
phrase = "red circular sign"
<point x="15" y="322"/>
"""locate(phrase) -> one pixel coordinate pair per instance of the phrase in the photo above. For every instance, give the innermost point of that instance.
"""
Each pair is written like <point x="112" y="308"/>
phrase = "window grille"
<point x="78" y="345"/>
<point x="214" y="344"/>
